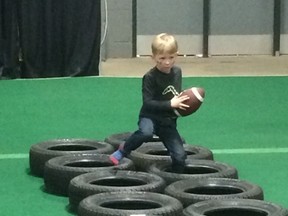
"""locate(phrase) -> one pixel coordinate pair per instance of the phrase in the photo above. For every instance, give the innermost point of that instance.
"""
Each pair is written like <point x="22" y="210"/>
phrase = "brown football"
<point x="196" y="98"/>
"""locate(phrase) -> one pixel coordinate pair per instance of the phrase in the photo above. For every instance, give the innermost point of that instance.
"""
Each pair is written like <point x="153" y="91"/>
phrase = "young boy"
<point x="161" y="87"/>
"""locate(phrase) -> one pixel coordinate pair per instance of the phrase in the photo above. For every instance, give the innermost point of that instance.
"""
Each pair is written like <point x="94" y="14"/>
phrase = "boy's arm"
<point x="148" y="97"/>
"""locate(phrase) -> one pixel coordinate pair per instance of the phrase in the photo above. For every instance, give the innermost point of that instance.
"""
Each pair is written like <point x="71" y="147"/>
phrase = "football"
<point x="196" y="98"/>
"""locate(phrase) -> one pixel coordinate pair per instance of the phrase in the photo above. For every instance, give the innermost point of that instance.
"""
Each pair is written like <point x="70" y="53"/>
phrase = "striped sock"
<point x="116" y="157"/>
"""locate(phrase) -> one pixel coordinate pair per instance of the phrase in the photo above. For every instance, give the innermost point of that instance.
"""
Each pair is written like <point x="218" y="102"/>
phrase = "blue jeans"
<point x="168" y="134"/>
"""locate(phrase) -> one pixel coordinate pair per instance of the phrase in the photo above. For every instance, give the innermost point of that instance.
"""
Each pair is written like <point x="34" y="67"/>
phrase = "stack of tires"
<point x="144" y="183"/>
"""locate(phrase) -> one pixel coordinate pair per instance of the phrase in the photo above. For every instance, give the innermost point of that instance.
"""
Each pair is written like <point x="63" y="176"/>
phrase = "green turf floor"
<point x="243" y="121"/>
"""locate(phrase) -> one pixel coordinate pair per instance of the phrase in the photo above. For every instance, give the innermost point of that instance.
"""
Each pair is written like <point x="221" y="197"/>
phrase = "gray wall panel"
<point x="118" y="42"/>
<point x="241" y="17"/>
<point x="284" y="28"/>
<point x="241" y="27"/>
<point x="284" y="17"/>
<point x="237" y="26"/>
<point x="182" y="17"/>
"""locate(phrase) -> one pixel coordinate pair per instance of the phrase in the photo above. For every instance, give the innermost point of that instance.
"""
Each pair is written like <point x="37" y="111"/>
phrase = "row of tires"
<point x="144" y="183"/>
<point x="148" y="204"/>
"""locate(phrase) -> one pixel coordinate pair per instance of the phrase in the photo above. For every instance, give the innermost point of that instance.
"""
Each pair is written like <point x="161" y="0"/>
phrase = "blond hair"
<point x="164" y="43"/>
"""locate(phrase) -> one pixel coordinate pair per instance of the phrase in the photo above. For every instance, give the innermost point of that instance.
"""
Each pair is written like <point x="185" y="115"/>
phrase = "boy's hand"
<point x="177" y="102"/>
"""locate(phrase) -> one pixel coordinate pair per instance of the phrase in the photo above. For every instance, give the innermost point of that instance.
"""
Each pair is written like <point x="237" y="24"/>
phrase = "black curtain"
<point x="57" y="37"/>
<point x="9" y="43"/>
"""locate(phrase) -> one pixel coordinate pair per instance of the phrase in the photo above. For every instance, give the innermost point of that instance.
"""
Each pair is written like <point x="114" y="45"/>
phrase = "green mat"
<point x="243" y="120"/>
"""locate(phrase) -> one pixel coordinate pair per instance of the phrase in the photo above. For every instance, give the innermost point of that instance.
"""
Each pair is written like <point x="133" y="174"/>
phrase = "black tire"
<point x="235" y="207"/>
<point x="189" y="192"/>
<point x="88" y="184"/>
<point x="60" y="170"/>
<point x="156" y="152"/>
<point x="117" y="139"/>
<point x="41" y="152"/>
<point x="130" y="203"/>
<point x="195" y="169"/>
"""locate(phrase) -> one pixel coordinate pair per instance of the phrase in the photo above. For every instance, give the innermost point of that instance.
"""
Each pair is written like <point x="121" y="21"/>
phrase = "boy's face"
<point x="165" y="61"/>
